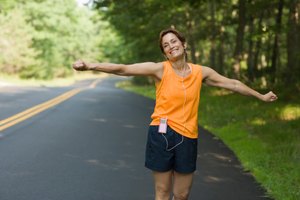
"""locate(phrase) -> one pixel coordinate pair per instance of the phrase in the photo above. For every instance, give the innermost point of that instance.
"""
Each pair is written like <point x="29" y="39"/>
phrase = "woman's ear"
<point x="185" y="45"/>
<point x="165" y="57"/>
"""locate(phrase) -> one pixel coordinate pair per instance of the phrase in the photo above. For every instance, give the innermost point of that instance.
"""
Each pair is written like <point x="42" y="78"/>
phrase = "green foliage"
<point x="140" y="80"/>
<point x="147" y="91"/>
<point x="265" y="137"/>
<point x="139" y="23"/>
<point x="8" y="5"/>
<point x="15" y="42"/>
<point x="63" y="33"/>
<point x="111" y="46"/>
<point x="127" y="32"/>
<point x="40" y="39"/>
<point x="211" y="29"/>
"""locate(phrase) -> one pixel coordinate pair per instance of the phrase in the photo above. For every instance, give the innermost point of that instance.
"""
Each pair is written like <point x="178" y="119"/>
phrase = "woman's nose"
<point x="171" y="46"/>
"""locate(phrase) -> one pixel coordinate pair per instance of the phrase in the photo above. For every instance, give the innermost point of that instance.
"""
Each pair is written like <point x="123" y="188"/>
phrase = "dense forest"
<point x="253" y="40"/>
<point x="41" y="38"/>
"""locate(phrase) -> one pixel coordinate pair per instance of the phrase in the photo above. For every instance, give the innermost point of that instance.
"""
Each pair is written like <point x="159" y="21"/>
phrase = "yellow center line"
<point x="94" y="83"/>
<point x="15" y="119"/>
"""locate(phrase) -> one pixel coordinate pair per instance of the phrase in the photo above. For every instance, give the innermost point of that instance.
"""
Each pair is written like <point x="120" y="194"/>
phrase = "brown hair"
<point x="175" y="32"/>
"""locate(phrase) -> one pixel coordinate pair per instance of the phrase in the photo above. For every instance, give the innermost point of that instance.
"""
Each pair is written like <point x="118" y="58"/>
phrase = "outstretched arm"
<point x="212" y="78"/>
<point x="143" y="69"/>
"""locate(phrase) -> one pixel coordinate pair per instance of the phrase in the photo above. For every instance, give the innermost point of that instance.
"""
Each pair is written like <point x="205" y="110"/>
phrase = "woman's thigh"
<point x="163" y="179"/>
<point x="163" y="184"/>
<point x="182" y="185"/>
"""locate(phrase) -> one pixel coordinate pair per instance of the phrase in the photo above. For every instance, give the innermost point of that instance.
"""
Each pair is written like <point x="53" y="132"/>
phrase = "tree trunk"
<point x="250" y="66"/>
<point x="213" y="35"/>
<point x="193" y="48"/>
<point x="221" y="53"/>
<point x="238" y="52"/>
<point x="190" y="30"/>
<point x="293" y="45"/>
<point x="257" y="47"/>
<point x="275" y="44"/>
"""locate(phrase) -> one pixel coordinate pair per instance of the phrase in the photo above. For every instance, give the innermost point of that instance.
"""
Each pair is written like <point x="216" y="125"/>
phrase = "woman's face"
<point x="173" y="47"/>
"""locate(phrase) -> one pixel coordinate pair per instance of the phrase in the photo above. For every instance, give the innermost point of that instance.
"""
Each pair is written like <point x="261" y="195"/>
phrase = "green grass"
<point x="57" y="82"/>
<point x="264" y="136"/>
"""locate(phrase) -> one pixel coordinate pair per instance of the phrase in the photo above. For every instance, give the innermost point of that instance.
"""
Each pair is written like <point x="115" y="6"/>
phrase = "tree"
<point x="16" y="42"/>
<point x="234" y="37"/>
<point x="275" y="43"/>
<point x="238" y="52"/>
<point x="293" y="43"/>
<point x="41" y="38"/>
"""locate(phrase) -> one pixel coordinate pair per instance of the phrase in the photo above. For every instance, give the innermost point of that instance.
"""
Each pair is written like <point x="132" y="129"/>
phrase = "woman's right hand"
<point x="80" y="65"/>
<point x="269" y="97"/>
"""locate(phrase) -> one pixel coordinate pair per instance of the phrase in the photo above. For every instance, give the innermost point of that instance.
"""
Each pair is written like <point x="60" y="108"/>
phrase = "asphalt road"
<point x="91" y="147"/>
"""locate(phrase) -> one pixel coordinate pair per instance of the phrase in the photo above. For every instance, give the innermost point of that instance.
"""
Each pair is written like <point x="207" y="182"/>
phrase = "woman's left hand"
<point x="269" y="97"/>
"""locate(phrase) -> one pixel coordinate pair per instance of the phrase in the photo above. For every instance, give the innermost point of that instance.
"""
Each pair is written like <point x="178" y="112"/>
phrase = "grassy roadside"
<point x="264" y="136"/>
<point x="57" y="82"/>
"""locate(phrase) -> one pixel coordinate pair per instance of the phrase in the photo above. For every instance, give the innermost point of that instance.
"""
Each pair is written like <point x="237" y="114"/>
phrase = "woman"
<point x="171" y="150"/>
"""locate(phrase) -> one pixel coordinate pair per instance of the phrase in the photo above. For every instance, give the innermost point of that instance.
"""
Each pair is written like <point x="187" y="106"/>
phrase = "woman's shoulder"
<point x="200" y="67"/>
<point x="196" y="64"/>
<point x="197" y="67"/>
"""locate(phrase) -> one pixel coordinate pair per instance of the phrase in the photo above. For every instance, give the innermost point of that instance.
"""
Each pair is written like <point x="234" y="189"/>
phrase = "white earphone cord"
<point x="183" y="108"/>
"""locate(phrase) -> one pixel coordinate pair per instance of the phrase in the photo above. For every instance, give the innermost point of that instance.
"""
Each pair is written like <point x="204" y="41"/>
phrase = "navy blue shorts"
<point x="170" y="151"/>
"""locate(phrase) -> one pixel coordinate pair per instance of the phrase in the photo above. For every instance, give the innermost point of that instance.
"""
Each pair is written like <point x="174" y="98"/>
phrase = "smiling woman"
<point x="171" y="150"/>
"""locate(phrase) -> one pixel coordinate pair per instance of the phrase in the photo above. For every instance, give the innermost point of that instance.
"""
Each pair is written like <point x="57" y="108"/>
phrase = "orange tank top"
<point x="177" y="99"/>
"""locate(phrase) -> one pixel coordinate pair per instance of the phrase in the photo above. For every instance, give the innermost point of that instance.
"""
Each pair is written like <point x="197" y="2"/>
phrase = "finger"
<point x="76" y="62"/>
<point x="75" y="65"/>
<point x="81" y="61"/>
<point x="272" y="94"/>
<point x="273" y="98"/>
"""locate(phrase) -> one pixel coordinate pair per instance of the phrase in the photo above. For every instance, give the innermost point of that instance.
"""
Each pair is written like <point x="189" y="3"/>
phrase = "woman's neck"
<point x="179" y="65"/>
